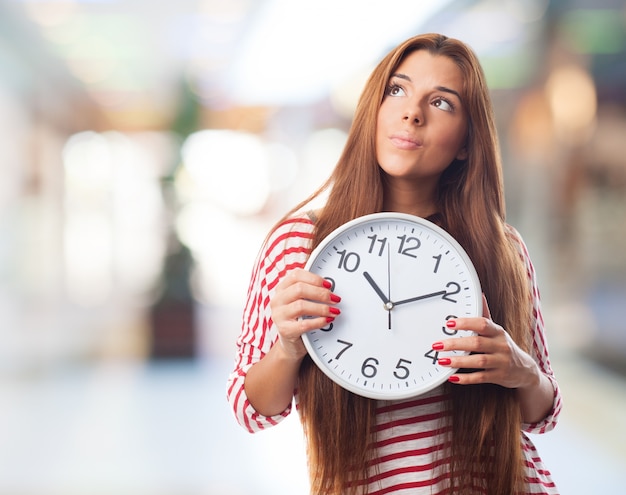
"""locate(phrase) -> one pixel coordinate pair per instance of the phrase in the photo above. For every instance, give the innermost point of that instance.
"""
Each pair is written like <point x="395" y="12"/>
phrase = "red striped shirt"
<point x="410" y="436"/>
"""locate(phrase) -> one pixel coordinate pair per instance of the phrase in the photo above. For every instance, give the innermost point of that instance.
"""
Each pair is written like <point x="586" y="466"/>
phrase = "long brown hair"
<point x="484" y="435"/>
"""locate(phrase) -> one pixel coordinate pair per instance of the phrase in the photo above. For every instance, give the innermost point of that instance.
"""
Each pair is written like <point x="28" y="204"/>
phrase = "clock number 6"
<point x="368" y="369"/>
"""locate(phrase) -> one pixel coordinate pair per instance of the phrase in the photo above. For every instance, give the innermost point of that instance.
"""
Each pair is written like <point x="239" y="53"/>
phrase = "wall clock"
<point x="400" y="278"/>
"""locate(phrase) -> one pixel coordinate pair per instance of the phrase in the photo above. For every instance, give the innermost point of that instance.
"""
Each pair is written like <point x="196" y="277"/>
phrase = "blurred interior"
<point x="147" y="147"/>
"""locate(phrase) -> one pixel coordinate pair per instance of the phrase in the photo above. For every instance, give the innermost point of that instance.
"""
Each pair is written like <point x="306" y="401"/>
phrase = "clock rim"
<point x="324" y="245"/>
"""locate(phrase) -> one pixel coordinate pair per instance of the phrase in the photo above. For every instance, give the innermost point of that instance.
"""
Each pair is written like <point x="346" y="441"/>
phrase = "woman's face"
<point x="422" y="122"/>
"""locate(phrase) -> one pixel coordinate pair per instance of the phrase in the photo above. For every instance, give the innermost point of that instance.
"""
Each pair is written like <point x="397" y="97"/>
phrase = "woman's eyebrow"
<point x="444" y="89"/>
<point x="449" y="90"/>
<point x="401" y="76"/>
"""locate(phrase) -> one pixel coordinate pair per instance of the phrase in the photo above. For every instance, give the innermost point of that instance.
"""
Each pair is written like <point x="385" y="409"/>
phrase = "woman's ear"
<point x="462" y="154"/>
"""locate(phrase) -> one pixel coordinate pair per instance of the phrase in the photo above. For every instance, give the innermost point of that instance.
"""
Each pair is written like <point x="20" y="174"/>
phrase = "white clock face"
<point x="400" y="278"/>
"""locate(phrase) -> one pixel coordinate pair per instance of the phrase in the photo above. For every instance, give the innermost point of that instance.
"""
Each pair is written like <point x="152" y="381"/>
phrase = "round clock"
<point x="400" y="278"/>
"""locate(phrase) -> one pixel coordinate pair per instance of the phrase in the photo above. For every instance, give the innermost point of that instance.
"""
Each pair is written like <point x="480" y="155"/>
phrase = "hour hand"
<point x="377" y="289"/>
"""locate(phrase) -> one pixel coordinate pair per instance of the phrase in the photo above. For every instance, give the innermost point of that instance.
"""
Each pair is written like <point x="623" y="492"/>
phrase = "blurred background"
<point x="147" y="147"/>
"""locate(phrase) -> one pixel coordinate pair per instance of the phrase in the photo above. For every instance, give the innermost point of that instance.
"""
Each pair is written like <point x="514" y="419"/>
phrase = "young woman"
<point x="423" y="142"/>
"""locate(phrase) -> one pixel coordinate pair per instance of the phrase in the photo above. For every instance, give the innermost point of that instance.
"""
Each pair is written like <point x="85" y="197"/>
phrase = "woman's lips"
<point x="405" y="142"/>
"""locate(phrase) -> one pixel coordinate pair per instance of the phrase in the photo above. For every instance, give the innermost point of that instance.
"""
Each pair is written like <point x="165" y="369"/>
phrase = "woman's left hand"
<point x="495" y="356"/>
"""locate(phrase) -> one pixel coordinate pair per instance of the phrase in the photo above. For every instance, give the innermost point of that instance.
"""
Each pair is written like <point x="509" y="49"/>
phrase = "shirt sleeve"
<point x="539" y="350"/>
<point x="286" y="248"/>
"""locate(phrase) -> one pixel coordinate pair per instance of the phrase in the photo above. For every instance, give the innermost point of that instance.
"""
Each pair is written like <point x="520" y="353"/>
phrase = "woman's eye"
<point x="443" y="105"/>
<point x="395" y="90"/>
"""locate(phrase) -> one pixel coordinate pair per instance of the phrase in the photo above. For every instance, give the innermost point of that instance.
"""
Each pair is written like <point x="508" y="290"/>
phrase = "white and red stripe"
<point x="410" y="438"/>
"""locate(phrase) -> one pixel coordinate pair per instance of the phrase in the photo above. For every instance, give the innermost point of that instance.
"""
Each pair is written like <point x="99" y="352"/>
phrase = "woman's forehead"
<point x="424" y="67"/>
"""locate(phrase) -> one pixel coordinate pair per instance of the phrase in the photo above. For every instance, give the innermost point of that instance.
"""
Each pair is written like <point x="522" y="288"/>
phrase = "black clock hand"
<point x="389" y="304"/>
<point x="419" y="298"/>
<point x="380" y="293"/>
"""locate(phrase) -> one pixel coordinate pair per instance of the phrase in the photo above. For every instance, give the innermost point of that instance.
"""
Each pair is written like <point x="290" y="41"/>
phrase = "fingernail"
<point x="451" y="323"/>
<point x="334" y="311"/>
<point x="444" y="361"/>
<point x="329" y="319"/>
<point x="335" y="298"/>
<point x="437" y="346"/>
<point x="327" y="284"/>
<point x="454" y="379"/>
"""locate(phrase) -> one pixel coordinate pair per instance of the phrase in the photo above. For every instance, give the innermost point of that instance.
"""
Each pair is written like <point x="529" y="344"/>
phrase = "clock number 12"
<point x="411" y="243"/>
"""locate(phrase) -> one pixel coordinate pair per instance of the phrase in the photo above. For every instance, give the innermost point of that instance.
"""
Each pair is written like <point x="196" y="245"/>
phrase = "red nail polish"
<point x="327" y="284"/>
<point x="329" y="319"/>
<point x="438" y="346"/>
<point x="444" y="361"/>
<point x="454" y="379"/>
<point x="335" y="298"/>
<point x="451" y="323"/>
<point x="334" y="311"/>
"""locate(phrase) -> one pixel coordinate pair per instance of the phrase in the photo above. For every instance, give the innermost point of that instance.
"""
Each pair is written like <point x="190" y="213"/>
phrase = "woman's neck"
<point x="407" y="198"/>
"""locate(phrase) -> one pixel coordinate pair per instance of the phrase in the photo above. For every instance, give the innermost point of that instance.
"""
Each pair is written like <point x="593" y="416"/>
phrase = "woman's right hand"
<point x="301" y="293"/>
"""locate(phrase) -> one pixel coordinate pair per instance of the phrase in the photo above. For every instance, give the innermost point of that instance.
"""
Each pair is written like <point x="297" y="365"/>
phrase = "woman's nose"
<point x="413" y="114"/>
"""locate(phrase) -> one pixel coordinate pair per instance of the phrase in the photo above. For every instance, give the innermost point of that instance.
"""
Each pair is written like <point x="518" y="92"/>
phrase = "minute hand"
<point x="418" y="298"/>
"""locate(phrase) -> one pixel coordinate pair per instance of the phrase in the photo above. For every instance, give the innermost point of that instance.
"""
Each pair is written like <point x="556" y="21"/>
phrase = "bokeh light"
<point x="572" y="97"/>
<point x="228" y="168"/>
